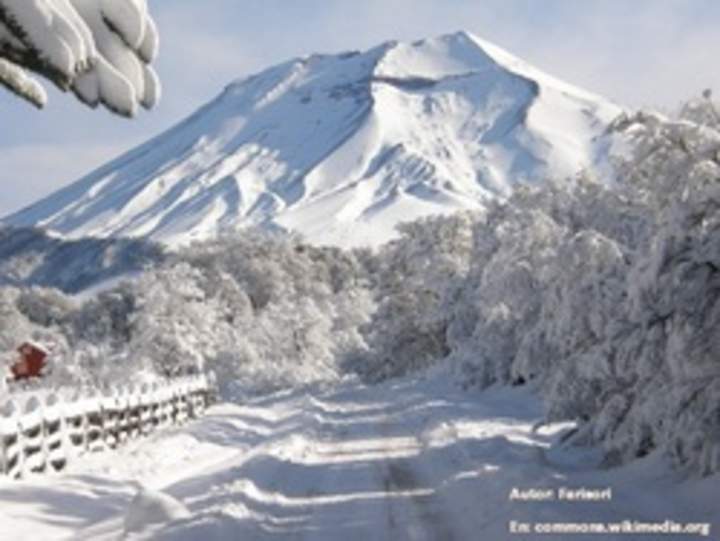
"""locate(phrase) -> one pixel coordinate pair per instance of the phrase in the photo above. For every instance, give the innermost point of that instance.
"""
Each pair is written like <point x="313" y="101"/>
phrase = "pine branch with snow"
<point x="101" y="50"/>
<point x="15" y="79"/>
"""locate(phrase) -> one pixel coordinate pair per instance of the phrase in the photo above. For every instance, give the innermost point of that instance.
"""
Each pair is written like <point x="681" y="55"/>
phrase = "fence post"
<point x="190" y="394"/>
<point x="10" y="436"/>
<point x="111" y="418"/>
<point x="32" y="436"/>
<point x="169" y="408"/>
<point x="124" y="415"/>
<point x="76" y="423"/>
<point x="145" y="403"/>
<point x="95" y="426"/>
<point x="54" y="431"/>
<point x="135" y="414"/>
<point x="211" y="388"/>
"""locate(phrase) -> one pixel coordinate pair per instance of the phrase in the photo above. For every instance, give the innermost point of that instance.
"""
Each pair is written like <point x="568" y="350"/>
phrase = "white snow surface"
<point x="405" y="460"/>
<point x="149" y="508"/>
<point x="342" y="148"/>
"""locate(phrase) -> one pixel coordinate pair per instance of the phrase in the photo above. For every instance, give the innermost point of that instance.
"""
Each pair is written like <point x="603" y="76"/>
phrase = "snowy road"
<point x="412" y="461"/>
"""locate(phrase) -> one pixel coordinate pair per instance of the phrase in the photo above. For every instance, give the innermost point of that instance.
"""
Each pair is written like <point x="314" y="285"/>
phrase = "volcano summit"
<point x="341" y="148"/>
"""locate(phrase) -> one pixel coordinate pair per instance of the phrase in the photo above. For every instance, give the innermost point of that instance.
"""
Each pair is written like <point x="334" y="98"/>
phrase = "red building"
<point x="31" y="363"/>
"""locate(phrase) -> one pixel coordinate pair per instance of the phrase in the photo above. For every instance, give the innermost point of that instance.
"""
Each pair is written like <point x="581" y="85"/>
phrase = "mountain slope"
<point x="342" y="148"/>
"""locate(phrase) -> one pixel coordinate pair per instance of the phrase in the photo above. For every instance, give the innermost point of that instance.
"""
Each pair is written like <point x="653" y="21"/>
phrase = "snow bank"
<point x="151" y="508"/>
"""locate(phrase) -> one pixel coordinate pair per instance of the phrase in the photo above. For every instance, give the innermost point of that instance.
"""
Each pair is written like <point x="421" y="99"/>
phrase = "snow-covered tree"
<point x="416" y="285"/>
<point x="13" y="327"/>
<point x="703" y="111"/>
<point x="173" y="329"/>
<point x="286" y="314"/>
<point x="668" y="356"/>
<point x="99" y="49"/>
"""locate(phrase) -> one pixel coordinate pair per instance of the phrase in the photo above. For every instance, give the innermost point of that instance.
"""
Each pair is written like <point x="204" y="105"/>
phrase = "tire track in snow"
<point x="431" y="524"/>
<point x="423" y="515"/>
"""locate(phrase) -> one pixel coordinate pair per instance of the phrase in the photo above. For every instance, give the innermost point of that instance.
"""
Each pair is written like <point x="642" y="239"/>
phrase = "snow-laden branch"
<point x="99" y="49"/>
<point x="16" y="80"/>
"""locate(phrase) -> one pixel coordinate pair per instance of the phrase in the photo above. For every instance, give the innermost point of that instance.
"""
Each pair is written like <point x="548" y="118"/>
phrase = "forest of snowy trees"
<point x="602" y="296"/>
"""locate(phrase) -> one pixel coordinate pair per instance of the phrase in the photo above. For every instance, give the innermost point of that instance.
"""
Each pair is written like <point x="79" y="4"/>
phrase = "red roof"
<point x="31" y="362"/>
<point x="34" y="345"/>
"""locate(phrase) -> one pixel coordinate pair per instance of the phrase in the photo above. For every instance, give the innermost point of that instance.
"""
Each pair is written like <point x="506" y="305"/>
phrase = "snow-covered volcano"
<point x="342" y="148"/>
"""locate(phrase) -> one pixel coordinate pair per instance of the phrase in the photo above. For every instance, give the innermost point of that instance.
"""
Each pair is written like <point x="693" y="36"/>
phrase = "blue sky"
<point x="639" y="53"/>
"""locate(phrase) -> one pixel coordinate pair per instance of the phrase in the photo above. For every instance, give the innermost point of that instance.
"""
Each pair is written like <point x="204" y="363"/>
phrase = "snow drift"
<point x="342" y="148"/>
<point x="150" y="508"/>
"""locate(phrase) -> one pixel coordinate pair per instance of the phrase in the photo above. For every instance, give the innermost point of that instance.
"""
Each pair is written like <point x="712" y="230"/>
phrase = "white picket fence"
<point x="45" y="432"/>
